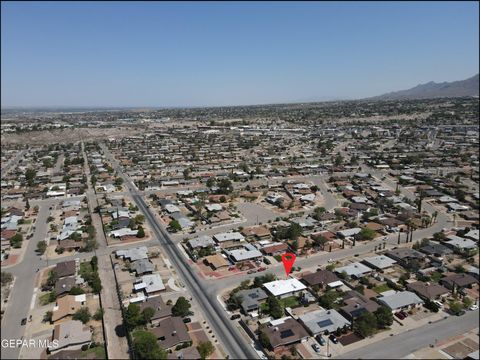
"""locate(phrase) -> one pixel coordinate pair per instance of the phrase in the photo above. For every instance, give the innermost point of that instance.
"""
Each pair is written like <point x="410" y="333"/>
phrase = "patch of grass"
<point x="99" y="352"/>
<point x="436" y="276"/>
<point x="46" y="299"/>
<point x="381" y="288"/>
<point x="290" y="301"/>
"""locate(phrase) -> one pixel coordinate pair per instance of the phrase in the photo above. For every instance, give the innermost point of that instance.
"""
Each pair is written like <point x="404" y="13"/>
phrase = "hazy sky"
<point x="190" y="54"/>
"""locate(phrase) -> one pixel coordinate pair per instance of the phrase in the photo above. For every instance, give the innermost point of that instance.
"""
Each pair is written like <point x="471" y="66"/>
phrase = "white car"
<point x="473" y="307"/>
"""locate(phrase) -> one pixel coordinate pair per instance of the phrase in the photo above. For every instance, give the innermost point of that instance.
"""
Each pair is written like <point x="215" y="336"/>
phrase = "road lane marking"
<point x="32" y="303"/>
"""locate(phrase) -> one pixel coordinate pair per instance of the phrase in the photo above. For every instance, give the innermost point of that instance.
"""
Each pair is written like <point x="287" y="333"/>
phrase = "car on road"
<point x="24" y="321"/>
<point x="320" y="340"/>
<point x="235" y="317"/>
<point x="333" y="339"/>
<point x="187" y="320"/>
<point x="316" y="347"/>
<point x="473" y="307"/>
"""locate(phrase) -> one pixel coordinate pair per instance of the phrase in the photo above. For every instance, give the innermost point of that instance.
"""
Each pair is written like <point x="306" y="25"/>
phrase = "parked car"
<point x="460" y="313"/>
<point x="438" y="303"/>
<point x="473" y="307"/>
<point x="320" y="340"/>
<point x="404" y="313"/>
<point x="24" y="321"/>
<point x="235" y="316"/>
<point x="251" y="271"/>
<point x="261" y="269"/>
<point x="399" y="315"/>
<point x="333" y="339"/>
<point x="187" y="320"/>
<point x="316" y="348"/>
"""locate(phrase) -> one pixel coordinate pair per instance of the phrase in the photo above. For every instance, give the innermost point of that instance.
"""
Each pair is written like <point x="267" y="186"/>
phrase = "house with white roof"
<point x="247" y="252"/>
<point x="284" y="288"/>
<point x="319" y="321"/>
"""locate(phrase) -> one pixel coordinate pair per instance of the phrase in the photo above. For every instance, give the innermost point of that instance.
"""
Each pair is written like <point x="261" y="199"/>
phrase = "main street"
<point x="213" y="311"/>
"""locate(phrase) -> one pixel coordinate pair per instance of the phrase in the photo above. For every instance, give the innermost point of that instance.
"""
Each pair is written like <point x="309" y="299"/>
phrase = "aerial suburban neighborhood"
<point x="240" y="180"/>
<point x="173" y="228"/>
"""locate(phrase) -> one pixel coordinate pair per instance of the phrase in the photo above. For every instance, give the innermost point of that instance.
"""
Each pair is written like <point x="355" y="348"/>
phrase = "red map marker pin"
<point x="288" y="259"/>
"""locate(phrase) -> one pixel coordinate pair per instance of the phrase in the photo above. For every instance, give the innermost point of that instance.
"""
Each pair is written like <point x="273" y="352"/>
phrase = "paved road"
<point x="214" y="313"/>
<point x="22" y="292"/>
<point x="399" y="346"/>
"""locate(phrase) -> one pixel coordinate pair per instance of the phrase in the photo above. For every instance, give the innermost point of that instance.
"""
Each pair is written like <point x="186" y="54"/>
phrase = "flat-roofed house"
<point x="284" y="288"/>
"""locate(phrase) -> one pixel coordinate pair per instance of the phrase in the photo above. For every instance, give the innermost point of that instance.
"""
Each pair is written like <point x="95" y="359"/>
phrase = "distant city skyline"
<point x="148" y="54"/>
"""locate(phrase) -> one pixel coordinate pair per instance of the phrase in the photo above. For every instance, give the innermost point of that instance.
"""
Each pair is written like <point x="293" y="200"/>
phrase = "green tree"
<point x="275" y="307"/>
<point x="52" y="278"/>
<point x="467" y="302"/>
<point x="366" y="234"/>
<point x="147" y="314"/>
<point x="82" y="314"/>
<point x="264" y="340"/>
<point x="41" y="247"/>
<point x="205" y="348"/>
<point x="455" y="307"/>
<point x="76" y="291"/>
<point x="48" y="316"/>
<point x="30" y="175"/>
<point x="132" y="316"/>
<point x="98" y="314"/>
<point x="140" y="232"/>
<point x="365" y="325"/>
<point x="16" y="240"/>
<point x="145" y="346"/>
<point x="181" y="307"/>
<point x="384" y="317"/>
<point x="175" y="225"/>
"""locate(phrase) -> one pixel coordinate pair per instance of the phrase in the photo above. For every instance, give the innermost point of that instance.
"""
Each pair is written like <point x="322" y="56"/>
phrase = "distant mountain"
<point x="467" y="87"/>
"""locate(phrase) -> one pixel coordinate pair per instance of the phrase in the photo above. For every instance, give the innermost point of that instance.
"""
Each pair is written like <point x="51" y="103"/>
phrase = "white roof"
<point x="228" y="236"/>
<point x="335" y="284"/>
<point x="213" y="207"/>
<point x="172" y="208"/>
<point x="473" y="234"/>
<point x="281" y="287"/>
<point x="133" y="254"/>
<point x="308" y="197"/>
<point x="349" y="232"/>
<point x="81" y="298"/>
<point x="122" y="232"/>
